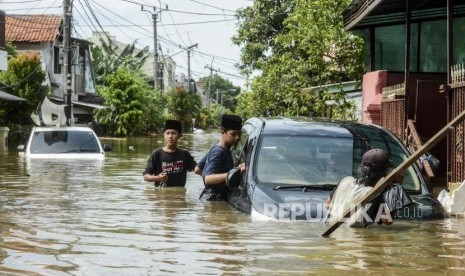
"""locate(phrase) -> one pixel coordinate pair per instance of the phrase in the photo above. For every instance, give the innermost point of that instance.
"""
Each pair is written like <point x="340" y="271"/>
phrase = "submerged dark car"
<point x="294" y="163"/>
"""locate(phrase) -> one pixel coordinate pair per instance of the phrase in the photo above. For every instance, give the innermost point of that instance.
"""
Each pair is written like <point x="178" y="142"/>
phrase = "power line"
<point x="19" y="2"/>
<point x="203" y="14"/>
<point x="199" y="22"/>
<point x="198" y="2"/>
<point x="186" y="12"/>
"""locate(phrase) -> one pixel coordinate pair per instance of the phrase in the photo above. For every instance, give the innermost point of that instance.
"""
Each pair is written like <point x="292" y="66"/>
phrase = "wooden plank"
<point x="414" y="133"/>
<point x="379" y="187"/>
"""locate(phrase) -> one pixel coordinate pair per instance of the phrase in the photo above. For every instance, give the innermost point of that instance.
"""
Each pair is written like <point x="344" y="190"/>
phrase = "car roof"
<point x="62" y="128"/>
<point x="307" y="126"/>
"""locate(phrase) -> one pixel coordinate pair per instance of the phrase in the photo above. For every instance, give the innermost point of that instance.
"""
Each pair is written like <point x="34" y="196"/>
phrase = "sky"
<point x="181" y="23"/>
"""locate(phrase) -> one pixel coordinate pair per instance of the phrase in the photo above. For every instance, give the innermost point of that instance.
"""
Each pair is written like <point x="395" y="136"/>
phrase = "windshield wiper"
<point x="306" y="187"/>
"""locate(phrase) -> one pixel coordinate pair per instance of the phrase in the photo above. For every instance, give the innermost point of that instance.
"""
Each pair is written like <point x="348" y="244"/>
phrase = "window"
<point x="433" y="46"/>
<point x="365" y="34"/>
<point x="390" y="48"/>
<point x="304" y="160"/>
<point x="57" y="59"/>
<point x="459" y="40"/>
<point x="377" y="138"/>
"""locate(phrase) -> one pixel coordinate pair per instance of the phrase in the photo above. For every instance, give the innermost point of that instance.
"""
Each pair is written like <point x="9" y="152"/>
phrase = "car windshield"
<point x="304" y="160"/>
<point x="316" y="160"/>
<point x="64" y="141"/>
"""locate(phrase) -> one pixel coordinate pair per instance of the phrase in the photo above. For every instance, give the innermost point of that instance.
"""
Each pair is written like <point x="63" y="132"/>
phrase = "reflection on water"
<point x="100" y="218"/>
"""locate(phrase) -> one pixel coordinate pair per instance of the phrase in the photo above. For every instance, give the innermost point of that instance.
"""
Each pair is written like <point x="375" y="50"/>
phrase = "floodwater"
<point x="101" y="218"/>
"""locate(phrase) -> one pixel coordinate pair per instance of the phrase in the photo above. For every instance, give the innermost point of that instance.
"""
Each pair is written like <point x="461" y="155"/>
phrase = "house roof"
<point x="9" y="97"/>
<point x="32" y="28"/>
<point x="393" y="10"/>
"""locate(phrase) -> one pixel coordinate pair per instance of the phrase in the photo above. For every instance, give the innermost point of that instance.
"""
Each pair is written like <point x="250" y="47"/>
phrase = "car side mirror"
<point x="20" y="148"/>
<point x="233" y="179"/>
<point x="107" y="147"/>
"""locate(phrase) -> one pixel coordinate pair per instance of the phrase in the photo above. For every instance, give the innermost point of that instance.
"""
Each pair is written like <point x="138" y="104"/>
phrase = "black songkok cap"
<point x="173" y="124"/>
<point x="232" y="122"/>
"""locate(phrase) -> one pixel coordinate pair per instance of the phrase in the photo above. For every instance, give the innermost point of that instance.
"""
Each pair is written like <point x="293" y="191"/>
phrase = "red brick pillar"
<point x="372" y="85"/>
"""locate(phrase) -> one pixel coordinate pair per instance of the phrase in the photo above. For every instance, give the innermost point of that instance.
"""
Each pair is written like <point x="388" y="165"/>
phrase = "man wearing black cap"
<point x="216" y="164"/>
<point x="168" y="166"/>
<point x="375" y="164"/>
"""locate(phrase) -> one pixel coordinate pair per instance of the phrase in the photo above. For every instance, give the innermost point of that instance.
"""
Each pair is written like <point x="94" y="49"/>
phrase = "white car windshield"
<point x="64" y="141"/>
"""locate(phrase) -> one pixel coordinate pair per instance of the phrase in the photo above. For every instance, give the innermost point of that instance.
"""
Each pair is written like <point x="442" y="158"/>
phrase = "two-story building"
<point x="166" y="65"/>
<point x="43" y="34"/>
<point x="414" y="56"/>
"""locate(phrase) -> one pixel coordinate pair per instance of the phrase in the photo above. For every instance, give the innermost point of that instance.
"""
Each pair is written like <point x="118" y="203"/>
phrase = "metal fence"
<point x="457" y="153"/>
<point x="393" y="109"/>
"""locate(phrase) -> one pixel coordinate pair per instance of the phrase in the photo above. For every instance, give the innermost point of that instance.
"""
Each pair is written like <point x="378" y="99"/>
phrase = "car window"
<point x="369" y="137"/>
<point x="239" y="148"/>
<point x="305" y="160"/>
<point x="63" y="141"/>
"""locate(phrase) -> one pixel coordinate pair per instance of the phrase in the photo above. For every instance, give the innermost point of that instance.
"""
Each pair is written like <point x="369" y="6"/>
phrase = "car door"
<point x="242" y="153"/>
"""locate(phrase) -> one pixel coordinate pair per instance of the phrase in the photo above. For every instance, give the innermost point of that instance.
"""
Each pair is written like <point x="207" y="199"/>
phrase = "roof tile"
<point x="32" y="28"/>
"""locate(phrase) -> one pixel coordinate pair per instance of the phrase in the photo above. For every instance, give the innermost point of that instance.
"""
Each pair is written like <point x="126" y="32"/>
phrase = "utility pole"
<point x="66" y="70"/>
<point x="209" y="83"/>
<point x="155" y="43"/>
<point x="155" y="50"/>
<point x="189" y="64"/>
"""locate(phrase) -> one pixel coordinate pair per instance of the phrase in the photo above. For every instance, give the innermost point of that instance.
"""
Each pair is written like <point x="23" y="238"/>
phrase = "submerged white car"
<point x="65" y="142"/>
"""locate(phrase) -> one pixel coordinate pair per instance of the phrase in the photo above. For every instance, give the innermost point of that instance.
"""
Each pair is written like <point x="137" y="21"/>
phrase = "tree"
<point x="183" y="106"/>
<point x="24" y="78"/>
<point x="258" y="27"/>
<point x="221" y="88"/>
<point x="292" y="44"/>
<point x="134" y="107"/>
<point x="108" y="57"/>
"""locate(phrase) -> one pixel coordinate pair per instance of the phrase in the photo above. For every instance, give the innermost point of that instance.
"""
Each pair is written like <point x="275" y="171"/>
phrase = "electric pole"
<point x="66" y="69"/>
<point x="189" y="64"/>
<point x="155" y="50"/>
<point x="209" y="83"/>
<point x="155" y="43"/>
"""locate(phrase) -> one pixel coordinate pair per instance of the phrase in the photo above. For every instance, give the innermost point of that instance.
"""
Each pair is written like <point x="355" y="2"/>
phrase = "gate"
<point x="393" y="109"/>
<point x="457" y="154"/>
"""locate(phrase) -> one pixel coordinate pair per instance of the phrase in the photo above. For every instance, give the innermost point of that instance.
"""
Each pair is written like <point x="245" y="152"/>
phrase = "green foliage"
<point x="221" y="88"/>
<point x="24" y="78"/>
<point x="108" y="57"/>
<point x="183" y="106"/>
<point x="212" y="117"/>
<point x="291" y="45"/>
<point x="10" y="49"/>
<point x="216" y="112"/>
<point x="134" y="108"/>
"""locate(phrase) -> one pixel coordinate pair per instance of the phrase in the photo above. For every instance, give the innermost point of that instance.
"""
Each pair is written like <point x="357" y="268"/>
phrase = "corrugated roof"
<point x="32" y="28"/>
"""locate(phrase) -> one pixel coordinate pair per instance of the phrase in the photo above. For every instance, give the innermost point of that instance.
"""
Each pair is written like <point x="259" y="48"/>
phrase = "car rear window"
<point x="64" y="141"/>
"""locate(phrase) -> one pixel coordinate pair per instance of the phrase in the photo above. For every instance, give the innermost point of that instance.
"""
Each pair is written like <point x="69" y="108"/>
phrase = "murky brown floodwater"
<point x="88" y="218"/>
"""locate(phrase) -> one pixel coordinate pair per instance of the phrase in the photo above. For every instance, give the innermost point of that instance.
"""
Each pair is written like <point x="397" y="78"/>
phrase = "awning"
<point x="93" y="105"/>
<point x="9" y="97"/>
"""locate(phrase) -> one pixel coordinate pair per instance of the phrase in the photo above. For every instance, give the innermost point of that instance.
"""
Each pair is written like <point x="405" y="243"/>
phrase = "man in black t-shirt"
<point x="168" y="166"/>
